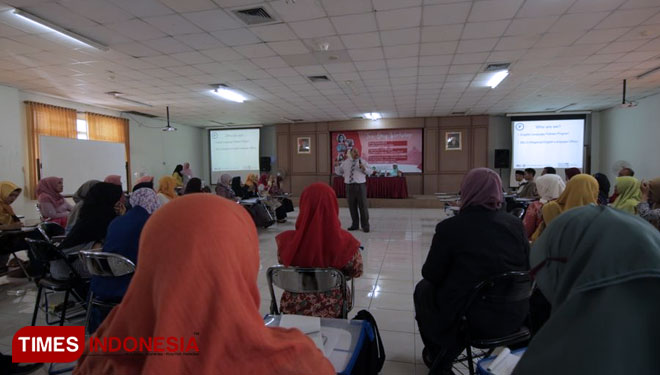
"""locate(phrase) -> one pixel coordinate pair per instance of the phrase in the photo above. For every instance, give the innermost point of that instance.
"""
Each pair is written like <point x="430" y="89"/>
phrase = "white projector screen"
<point x="539" y="143"/>
<point x="78" y="160"/>
<point x="234" y="151"/>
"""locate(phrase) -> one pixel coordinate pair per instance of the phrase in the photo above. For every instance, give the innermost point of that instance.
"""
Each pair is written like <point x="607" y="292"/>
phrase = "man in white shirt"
<point x="354" y="171"/>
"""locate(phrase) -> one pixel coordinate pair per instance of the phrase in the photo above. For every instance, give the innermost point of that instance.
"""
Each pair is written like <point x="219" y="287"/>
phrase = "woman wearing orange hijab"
<point x="211" y="289"/>
<point x="318" y="241"/>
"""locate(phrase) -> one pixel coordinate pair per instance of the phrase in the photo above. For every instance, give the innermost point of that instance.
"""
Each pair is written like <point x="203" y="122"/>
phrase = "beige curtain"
<point x="110" y="129"/>
<point x="45" y="119"/>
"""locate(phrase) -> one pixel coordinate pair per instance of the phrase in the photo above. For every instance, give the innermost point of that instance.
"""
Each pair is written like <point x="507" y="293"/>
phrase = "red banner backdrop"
<point x="382" y="148"/>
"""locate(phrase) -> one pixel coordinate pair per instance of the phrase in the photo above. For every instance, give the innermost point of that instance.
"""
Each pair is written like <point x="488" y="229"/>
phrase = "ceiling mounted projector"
<point x="624" y="102"/>
<point x="168" y="128"/>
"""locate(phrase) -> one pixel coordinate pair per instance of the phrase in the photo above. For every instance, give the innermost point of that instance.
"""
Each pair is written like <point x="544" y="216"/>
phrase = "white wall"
<point x="156" y="153"/>
<point x="152" y="151"/>
<point x="631" y="134"/>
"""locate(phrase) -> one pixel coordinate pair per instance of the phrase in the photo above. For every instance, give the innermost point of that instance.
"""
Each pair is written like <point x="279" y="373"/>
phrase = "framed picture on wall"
<point x="304" y="145"/>
<point x="453" y="141"/>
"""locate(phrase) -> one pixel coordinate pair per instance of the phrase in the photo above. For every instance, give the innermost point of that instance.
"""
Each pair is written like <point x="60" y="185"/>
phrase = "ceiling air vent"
<point x="136" y="113"/>
<point x="318" y="78"/>
<point x="458" y="113"/>
<point x="253" y="16"/>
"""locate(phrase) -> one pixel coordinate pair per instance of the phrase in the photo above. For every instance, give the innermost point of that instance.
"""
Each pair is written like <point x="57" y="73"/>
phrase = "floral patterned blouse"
<point x="326" y="304"/>
<point x="651" y="215"/>
<point x="532" y="218"/>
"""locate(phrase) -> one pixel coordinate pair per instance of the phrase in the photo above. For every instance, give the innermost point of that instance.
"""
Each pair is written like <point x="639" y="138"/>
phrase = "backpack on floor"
<point x="372" y="355"/>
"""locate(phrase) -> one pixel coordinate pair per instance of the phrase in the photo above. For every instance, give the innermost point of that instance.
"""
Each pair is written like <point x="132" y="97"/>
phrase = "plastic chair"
<point x="518" y="212"/>
<point x="102" y="264"/>
<point x="46" y="252"/>
<point x="514" y="287"/>
<point x="308" y="280"/>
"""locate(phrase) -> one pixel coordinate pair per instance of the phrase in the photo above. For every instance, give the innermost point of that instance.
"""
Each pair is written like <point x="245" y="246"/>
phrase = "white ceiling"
<point x="403" y="58"/>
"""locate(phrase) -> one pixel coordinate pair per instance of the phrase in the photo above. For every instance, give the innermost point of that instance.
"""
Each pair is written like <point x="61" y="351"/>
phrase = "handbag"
<point x="372" y="355"/>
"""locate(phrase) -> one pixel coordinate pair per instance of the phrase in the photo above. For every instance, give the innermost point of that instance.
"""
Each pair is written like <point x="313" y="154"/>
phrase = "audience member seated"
<point x="480" y="242"/>
<point x="193" y="186"/>
<point x="649" y="207"/>
<point x="267" y="189"/>
<point x="520" y="176"/>
<point x="528" y="188"/>
<point x="275" y="189"/>
<point x="240" y="190"/>
<point x="548" y="170"/>
<point x="206" y="189"/>
<point x="603" y="189"/>
<point x="123" y="238"/>
<point x="166" y="192"/>
<point x="178" y="175"/>
<point x="598" y="268"/>
<point x="79" y="199"/>
<point x="624" y="172"/>
<point x="144" y="182"/>
<point x="223" y="187"/>
<point x="8" y="219"/>
<point x="52" y="205"/>
<point x="252" y="184"/>
<point x="201" y="278"/>
<point x="628" y="194"/>
<point x="549" y="188"/>
<point x="581" y="190"/>
<point x="318" y="241"/>
<point x="123" y="201"/>
<point x="99" y="210"/>
<point x="570" y="172"/>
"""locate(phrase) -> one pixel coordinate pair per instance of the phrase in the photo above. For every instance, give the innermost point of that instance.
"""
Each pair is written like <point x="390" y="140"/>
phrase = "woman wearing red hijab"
<point x="318" y="241"/>
<point x="207" y="292"/>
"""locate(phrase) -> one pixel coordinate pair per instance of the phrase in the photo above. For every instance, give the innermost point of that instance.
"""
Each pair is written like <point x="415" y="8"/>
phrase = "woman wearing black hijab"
<point x="603" y="189"/>
<point x="239" y="189"/>
<point x="193" y="186"/>
<point x="90" y="229"/>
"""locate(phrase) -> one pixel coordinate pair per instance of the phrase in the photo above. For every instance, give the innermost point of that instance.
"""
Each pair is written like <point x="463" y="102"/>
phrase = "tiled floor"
<point x="395" y="250"/>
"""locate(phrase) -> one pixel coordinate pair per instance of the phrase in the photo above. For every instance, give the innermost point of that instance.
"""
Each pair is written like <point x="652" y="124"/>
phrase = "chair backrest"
<point x="106" y="264"/>
<point x="43" y="250"/>
<point x="49" y="230"/>
<point x="305" y="280"/>
<point x="506" y="288"/>
<point x="518" y="212"/>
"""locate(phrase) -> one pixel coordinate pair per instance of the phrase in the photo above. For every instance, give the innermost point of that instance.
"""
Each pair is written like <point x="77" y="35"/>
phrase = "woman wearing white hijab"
<point x="549" y="187"/>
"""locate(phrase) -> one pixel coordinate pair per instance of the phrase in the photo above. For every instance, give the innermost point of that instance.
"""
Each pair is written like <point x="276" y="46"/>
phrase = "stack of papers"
<point x="504" y="363"/>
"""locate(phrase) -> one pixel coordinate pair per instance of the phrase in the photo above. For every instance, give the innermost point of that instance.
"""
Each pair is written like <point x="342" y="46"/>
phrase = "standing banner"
<point x="381" y="148"/>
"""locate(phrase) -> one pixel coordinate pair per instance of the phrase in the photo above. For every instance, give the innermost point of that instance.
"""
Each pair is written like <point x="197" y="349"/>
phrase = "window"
<point x="81" y="127"/>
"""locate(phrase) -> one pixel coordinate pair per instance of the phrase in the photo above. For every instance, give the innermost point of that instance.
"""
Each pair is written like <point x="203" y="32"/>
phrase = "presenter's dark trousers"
<point x="356" y="194"/>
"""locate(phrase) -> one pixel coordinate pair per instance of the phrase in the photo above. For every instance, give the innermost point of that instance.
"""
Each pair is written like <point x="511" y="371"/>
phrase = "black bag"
<point x="260" y="215"/>
<point x="287" y="204"/>
<point x="372" y="355"/>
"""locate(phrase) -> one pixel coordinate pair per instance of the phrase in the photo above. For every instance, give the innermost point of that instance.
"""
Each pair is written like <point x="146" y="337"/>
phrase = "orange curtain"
<point x="45" y="119"/>
<point x="110" y="129"/>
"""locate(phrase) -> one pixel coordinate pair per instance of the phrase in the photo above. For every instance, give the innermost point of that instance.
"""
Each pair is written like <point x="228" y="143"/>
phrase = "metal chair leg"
<point x="89" y="311"/>
<point x="66" y="302"/>
<point x="36" y="306"/>
<point x="469" y="359"/>
<point x="20" y="264"/>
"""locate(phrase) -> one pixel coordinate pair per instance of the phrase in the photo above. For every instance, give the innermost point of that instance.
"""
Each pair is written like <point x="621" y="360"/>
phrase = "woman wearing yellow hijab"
<point x="166" y="192"/>
<point x="8" y="194"/>
<point x="629" y="194"/>
<point x="581" y="190"/>
<point x="252" y="181"/>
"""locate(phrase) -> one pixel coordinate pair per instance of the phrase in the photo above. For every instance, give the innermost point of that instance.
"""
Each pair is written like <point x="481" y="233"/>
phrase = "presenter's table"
<point x="349" y="335"/>
<point x="377" y="187"/>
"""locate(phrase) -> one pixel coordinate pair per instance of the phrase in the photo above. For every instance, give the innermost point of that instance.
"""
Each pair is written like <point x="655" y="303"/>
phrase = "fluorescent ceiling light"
<point x="497" y="78"/>
<point x="229" y="95"/>
<point x="373" y="116"/>
<point x="31" y="18"/>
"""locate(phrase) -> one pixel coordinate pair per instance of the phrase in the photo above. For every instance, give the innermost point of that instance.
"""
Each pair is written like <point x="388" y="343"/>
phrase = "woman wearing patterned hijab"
<point x="123" y="238"/>
<point x="479" y="242"/>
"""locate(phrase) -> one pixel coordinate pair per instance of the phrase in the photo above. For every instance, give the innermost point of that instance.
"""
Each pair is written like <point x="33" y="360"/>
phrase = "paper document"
<point x="309" y="325"/>
<point x="504" y="363"/>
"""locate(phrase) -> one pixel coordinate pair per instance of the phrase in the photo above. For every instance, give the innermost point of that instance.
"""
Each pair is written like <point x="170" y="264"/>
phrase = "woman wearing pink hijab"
<point x="187" y="173"/>
<point x="478" y="243"/>
<point x="52" y="205"/>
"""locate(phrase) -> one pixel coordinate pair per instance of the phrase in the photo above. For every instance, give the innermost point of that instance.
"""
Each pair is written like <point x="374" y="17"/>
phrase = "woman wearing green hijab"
<point x="600" y="270"/>
<point x="629" y="194"/>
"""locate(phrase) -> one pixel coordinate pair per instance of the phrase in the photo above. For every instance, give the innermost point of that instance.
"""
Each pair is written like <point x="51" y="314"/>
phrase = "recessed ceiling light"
<point x="373" y="116"/>
<point x="228" y="94"/>
<point x="31" y="18"/>
<point x="497" y="78"/>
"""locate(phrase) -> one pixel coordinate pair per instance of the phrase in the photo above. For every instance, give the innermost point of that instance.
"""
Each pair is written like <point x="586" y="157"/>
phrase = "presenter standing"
<point x="354" y="170"/>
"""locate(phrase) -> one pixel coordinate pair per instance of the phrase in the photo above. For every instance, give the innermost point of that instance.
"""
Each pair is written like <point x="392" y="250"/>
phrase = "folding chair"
<point x="514" y="287"/>
<point x="46" y="252"/>
<point x="100" y="264"/>
<point x="518" y="212"/>
<point x="308" y="280"/>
